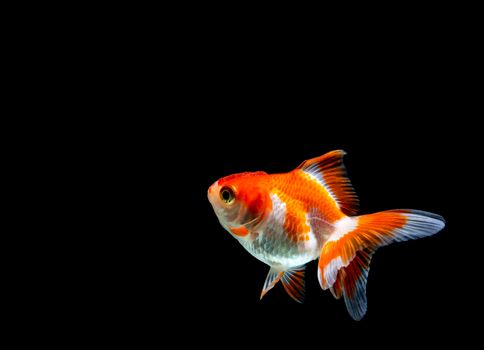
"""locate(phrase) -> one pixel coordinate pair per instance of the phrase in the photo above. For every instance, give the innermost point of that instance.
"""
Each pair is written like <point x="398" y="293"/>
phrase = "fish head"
<point x="241" y="201"/>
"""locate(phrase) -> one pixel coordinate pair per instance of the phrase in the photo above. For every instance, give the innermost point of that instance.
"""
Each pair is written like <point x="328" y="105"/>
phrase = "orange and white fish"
<point x="287" y="220"/>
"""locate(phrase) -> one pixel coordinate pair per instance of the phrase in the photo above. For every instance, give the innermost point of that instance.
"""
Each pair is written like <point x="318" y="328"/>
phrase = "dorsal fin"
<point x="330" y="172"/>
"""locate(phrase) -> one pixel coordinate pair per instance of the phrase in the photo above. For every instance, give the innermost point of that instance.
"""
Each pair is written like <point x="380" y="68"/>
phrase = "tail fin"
<point x="345" y="257"/>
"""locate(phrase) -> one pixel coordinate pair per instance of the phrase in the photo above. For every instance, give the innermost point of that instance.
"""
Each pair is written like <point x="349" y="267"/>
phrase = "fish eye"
<point x="227" y="195"/>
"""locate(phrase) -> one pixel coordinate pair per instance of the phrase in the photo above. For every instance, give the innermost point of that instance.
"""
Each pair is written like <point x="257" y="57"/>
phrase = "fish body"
<point x="287" y="220"/>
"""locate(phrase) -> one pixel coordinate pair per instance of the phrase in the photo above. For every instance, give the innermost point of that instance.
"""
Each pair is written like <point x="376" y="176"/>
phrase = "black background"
<point x="167" y="102"/>
<point x="405" y="114"/>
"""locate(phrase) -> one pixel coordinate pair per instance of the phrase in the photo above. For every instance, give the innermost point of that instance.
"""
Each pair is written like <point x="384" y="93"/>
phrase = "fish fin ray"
<point x="372" y="231"/>
<point x="294" y="283"/>
<point x="353" y="279"/>
<point x="330" y="172"/>
<point x="357" y="238"/>
<point x="271" y="280"/>
<point x="337" y="288"/>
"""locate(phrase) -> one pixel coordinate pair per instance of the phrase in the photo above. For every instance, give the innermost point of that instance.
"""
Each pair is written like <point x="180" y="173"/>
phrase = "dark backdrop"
<point x="410" y="130"/>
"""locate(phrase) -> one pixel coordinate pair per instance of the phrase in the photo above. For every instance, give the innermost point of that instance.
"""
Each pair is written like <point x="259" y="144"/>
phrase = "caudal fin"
<point x="345" y="257"/>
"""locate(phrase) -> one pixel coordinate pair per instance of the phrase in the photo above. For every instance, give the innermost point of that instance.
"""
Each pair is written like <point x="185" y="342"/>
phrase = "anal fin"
<point x="293" y="281"/>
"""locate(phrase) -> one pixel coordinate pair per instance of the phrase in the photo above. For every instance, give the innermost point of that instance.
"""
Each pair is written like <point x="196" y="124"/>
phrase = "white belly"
<point x="277" y="251"/>
<point x="271" y="244"/>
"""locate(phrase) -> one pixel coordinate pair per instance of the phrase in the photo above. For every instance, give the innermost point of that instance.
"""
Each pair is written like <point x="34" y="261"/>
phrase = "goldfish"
<point x="287" y="220"/>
